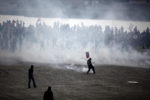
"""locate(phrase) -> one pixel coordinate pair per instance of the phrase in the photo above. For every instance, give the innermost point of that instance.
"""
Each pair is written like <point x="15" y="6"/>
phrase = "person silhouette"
<point x="31" y="77"/>
<point x="90" y="66"/>
<point x="48" y="95"/>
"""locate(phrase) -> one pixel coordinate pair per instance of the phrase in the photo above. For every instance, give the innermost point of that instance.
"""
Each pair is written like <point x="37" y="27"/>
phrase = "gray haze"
<point x="63" y="43"/>
<point x="95" y="9"/>
<point x="74" y="53"/>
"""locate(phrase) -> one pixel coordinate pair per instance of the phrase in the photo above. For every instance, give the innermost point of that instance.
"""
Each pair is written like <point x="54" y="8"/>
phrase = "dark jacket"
<point x="30" y="72"/>
<point x="89" y="63"/>
<point x="48" y="95"/>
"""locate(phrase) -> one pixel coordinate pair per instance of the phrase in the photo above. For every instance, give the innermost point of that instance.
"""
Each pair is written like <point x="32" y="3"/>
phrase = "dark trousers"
<point x="34" y="84"/>
<point x="91" y="67"/>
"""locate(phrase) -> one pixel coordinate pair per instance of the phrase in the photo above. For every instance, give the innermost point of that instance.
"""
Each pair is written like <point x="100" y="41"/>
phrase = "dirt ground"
<point x="109" y="83"/>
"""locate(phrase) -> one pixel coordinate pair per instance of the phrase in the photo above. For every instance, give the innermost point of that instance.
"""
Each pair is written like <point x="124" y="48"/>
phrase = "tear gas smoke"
<point x="63" y="39"/>
<point x="58" y="44"/>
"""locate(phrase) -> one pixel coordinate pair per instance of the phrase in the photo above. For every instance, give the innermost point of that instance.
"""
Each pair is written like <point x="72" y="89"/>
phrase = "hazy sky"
<point x="76" y="8"/>
<point x="7" y="4"/>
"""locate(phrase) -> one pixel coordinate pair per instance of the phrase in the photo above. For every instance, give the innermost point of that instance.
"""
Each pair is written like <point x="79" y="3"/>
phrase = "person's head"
<point x="49" y="88"/>
<point x="32" y="66"/>
<point x="90" y="58"/>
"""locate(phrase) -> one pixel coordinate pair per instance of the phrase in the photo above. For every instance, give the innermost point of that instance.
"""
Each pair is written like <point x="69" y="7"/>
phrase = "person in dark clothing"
<point x="31" y="77"/>
<point x="90" y="66"/>
<point x="48" y="95"/>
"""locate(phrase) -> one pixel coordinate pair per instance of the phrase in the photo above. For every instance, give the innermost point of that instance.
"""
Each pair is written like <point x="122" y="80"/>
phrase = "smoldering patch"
<point x="77" y="68"/>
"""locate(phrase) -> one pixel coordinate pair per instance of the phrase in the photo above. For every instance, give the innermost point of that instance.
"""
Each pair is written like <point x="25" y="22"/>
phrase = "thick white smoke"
<point x="101" y="56"/>
<point x="61" y="46"/>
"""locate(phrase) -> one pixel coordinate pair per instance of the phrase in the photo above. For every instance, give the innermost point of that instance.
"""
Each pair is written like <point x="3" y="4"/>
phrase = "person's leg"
<point x="34" y="84"/>
<point x="29" y="82"/>
<point x="88" y="70"/>
<point x="93" y="70"/>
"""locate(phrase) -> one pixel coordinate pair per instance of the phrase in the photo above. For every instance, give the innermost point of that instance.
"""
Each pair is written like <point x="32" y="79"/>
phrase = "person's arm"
<point x="44" y="97"/>
<point x="32" y="72"/>
<point x="52" y="96"/>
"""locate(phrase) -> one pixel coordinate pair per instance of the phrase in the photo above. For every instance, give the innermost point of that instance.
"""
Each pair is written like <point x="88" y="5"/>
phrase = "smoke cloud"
<point x="55" y="42"/>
